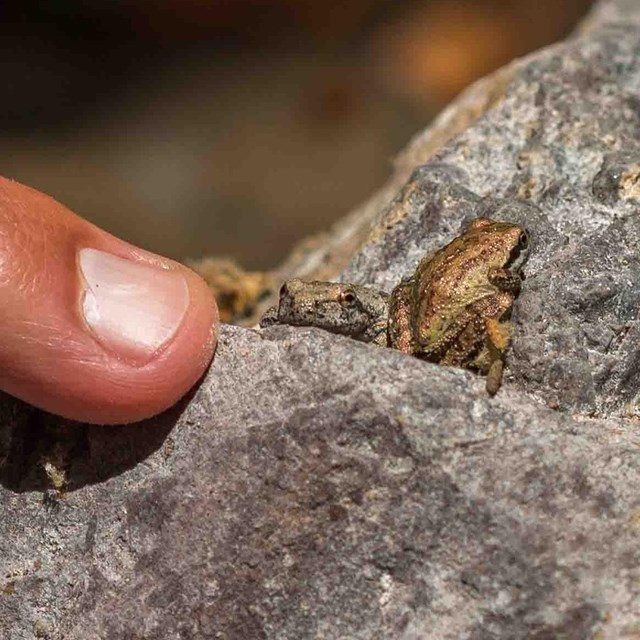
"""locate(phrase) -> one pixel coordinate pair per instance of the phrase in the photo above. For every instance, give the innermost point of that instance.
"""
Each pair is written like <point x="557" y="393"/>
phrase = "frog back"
<point x="450" y="282"/>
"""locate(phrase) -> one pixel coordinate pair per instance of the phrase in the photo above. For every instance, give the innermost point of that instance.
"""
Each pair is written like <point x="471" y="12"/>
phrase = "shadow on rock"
<point x="42" y="452"/>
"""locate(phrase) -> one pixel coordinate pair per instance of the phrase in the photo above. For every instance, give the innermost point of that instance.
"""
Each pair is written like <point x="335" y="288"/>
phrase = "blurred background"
<point x="236" y="127"/>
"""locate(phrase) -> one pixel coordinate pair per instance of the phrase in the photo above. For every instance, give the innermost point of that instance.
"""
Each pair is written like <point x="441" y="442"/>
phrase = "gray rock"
<point x="316" y="487"/>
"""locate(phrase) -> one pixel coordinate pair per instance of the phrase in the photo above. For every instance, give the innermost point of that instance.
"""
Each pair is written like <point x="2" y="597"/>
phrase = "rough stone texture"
<point x="347" y="492"/>
<point x="315" y="487"/>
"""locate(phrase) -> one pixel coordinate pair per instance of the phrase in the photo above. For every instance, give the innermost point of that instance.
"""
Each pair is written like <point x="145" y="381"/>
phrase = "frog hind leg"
<point x="400" y="317"/>
<point x="461" y="342"/>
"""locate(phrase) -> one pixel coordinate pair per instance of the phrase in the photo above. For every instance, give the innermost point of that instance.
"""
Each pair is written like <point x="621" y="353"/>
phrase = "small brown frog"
<point x="349" y="310"/>
<point x="453" y="310"/>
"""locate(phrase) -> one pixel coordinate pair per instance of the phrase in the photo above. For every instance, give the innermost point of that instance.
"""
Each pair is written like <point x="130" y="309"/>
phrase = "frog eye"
<point x="347" y="297"/>
<point x="283" y="290"/>
<point x="523" y="241"/>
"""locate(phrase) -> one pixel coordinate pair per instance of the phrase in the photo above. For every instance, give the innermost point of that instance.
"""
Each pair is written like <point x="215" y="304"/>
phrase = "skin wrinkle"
<point x="62" y="347"/>
<point x="52" y="347"/>
<point x="24" y="252"/>
<point x="5" y="248"/>
<point x="60" y="343"/>
<point x="119" y="381"/>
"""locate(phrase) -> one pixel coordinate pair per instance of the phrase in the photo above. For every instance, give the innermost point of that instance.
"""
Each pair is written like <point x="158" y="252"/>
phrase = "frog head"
<point x="501" y="244"/>
<point x="350" y="310"/>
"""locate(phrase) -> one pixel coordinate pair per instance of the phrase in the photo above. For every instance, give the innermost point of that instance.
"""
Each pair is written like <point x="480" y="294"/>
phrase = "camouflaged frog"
<point x="453" y="310"/>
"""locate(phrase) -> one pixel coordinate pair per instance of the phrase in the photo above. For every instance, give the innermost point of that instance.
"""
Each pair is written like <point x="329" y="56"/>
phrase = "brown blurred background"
<point x="235" y="127"/>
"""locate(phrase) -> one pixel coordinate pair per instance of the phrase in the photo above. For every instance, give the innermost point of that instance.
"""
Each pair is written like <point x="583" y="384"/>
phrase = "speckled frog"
<point x="453" y="310"/>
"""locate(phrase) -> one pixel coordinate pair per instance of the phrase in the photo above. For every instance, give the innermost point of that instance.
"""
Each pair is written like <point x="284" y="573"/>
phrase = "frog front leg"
<point x="269" y="317"/>
<point x="498" y="340"/>
<point x="400" y="317"/>
<point x="496" y="333"/>
<point x="380" y="333"/>
<point x="504" y="280"/>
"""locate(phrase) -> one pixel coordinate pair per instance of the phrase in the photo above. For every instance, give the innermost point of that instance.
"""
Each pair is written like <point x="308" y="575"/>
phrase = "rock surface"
<point x="315" y="487"/>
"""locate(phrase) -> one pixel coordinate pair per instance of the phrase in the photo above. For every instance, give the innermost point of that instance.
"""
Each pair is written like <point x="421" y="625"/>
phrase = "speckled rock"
<point x="316" y="487"/>
<point x="320" y="488"/>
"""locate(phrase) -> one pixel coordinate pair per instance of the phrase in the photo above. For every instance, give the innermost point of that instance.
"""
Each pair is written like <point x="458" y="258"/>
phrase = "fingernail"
<point x="132" y="308"/>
